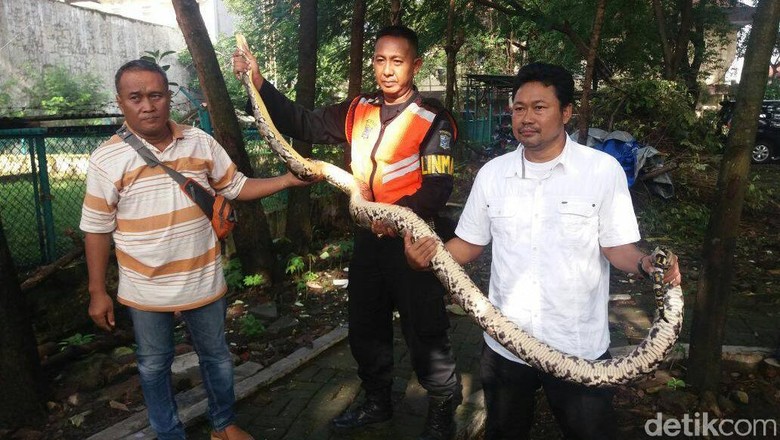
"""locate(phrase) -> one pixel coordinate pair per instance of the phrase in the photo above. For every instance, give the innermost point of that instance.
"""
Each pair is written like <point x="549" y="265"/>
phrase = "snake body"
<point x="642" y="360"/>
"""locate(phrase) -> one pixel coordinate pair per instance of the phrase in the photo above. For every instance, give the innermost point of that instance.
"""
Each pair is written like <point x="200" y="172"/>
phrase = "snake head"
<point x="662" y="258"/>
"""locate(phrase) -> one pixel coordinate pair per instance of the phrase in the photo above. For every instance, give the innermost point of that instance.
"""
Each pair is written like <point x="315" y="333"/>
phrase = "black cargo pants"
<point x="381" y="280"/>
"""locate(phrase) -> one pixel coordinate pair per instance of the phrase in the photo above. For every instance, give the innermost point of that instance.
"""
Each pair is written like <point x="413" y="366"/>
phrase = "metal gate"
<point x="42" y="182"/>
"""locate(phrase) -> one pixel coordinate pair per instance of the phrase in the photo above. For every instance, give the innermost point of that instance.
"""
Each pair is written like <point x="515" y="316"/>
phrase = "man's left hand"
<point x="672" y="275"/>
<point x="382" y="229"/>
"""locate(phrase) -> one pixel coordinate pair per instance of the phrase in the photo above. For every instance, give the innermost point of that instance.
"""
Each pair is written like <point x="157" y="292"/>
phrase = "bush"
<point x="59" y="91"/>
<point x="772" y="90"/>
<point x="656" y="112"/>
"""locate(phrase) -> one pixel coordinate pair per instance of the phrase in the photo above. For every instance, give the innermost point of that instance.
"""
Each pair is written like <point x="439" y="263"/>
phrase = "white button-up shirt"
<point x="548" y="274"/>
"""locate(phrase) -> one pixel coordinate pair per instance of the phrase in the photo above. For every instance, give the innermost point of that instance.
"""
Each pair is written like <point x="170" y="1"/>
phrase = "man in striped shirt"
<point x="168" y="254"/>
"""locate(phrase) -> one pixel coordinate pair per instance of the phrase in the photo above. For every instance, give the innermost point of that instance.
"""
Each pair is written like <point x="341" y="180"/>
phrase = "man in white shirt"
<point x="558" y="214"/>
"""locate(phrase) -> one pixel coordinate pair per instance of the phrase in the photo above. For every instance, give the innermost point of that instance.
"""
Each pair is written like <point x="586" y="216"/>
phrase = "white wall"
<point x="40" y="33"/>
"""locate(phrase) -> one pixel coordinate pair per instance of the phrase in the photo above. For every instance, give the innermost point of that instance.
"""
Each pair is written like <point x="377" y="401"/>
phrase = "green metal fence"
<point x="43" y="179"/>
<point x="42" y="182"/>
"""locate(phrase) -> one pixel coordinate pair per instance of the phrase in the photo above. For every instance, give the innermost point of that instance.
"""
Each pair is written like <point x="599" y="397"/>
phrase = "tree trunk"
<point x="660" y="20"/>
<point x="690" y="71"/>
<point x="454" y="42"/>
<point x="357" y="35"/>
<point x="252" y="236"/>
<point x="680" y="55"/>
<point x="395" y="12"/>
<point x="719" y="245"/>
<point x="23" y="390"/>
<point x="298" y="229"/>
<point x="595" y="38"/>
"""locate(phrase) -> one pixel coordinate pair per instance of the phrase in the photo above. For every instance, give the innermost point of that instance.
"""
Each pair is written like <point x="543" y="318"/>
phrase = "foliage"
<point x="688" y="220"/>
<point x="233" y="276"/>
<point x="656" y="112"/>
<point x="757" y="198"/>
<point x="254" y="280"/>
<point x="75" y="340"/>
<point x="304" y="279"/>
<point x="250" y="326"/>
<point x="340" y="249"/>
<point x="772" y="90"/>
<point x="59" y="91"/>
<point x="675" y="383"/>
<point x="156" y="57"/>
<point x="705" y="134"/>
<point x="295" y="265"/>
<point x="7" y="86"/>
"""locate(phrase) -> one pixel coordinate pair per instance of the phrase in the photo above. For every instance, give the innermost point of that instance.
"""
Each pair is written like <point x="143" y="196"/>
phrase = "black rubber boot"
<point x="375" y="409"/>
<point x="440" y="424"/>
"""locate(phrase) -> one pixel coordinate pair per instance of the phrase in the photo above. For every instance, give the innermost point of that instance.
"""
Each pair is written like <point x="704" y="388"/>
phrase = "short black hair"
<point x="140" y="64"/>
<point x="549" y="75"/>
<point x="401" y="31"/>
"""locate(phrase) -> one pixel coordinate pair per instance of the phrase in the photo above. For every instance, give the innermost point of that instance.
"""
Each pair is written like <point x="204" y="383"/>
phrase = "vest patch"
<point x="369" y="127"/>
<point x="438" y="164"/>
<point x="445" y="138"/>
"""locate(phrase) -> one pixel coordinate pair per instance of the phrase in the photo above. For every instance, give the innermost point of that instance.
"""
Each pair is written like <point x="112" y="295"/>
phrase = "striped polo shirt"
<point x="169" y="257"/>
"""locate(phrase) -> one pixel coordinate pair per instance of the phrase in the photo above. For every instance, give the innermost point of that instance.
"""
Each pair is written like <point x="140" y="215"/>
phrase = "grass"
<point x="18" y="212"/>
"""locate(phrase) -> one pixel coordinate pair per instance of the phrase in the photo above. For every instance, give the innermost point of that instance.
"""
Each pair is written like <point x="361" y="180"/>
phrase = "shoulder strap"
<point x="126" y="135"/>
<point x="193" y="189"/>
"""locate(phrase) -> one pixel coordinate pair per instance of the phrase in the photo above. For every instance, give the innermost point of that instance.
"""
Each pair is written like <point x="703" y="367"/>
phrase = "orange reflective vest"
<point x="387" y="157"/>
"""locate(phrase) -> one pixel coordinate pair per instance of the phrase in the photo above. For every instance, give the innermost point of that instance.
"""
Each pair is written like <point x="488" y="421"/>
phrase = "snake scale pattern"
<point x="642" y="360"/>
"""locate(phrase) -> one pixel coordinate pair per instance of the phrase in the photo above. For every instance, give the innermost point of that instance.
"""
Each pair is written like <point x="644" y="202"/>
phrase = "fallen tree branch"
<point x="101" y="343"/>
<point x="671" y="166"/>
<point x="46" y="271"/>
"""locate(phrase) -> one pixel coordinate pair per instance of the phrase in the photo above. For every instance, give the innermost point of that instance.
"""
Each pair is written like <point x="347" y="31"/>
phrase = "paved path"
<point x="301" y="405"/>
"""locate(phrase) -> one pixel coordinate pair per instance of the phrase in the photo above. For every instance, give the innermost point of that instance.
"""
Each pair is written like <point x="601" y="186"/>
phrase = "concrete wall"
<point x="40" y="33"/>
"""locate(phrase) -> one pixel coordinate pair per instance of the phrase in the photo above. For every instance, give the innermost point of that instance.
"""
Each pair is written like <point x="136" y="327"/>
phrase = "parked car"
<point x="767" y="144"/>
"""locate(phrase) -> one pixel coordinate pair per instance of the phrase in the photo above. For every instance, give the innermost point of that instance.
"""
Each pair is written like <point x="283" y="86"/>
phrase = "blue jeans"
<point x="154" y="336"/>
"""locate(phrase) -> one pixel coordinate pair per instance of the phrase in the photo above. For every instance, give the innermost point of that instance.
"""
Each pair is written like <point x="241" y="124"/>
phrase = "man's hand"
<point x="381" y="229"/>
<point x="378" y="227"/>
<point x="672" y="275"/>
<point x="101" y="310"/>
<point x="294" y="181"/>
<point x="419" y="253"/>
<point x="365" y="191"/>
<point x="244" y="61"/>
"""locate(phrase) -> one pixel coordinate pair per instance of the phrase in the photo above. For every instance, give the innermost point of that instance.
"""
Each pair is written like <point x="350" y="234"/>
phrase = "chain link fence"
<point x="43" y="179"/>
<point x="42" y="183"/>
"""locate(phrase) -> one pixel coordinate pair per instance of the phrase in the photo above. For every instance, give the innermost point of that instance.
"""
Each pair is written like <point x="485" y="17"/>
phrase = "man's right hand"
<point x="101" y="310"/>
<point x="244" y="61"/>
<point x="419" y="253"/>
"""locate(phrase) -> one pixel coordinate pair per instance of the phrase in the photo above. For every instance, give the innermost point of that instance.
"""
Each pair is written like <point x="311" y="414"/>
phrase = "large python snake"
<point x="642" y="360"/>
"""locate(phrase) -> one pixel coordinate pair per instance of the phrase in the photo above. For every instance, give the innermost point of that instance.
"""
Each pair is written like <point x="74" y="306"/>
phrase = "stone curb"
<point x="470" y="416"/>
<point x="249" y="376"/>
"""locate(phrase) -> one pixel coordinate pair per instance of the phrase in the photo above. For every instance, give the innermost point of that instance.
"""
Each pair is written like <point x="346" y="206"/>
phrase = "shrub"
<point x="250" y="326"/>
<point x="656" y="112"/>
<point x="59" y="91"/>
